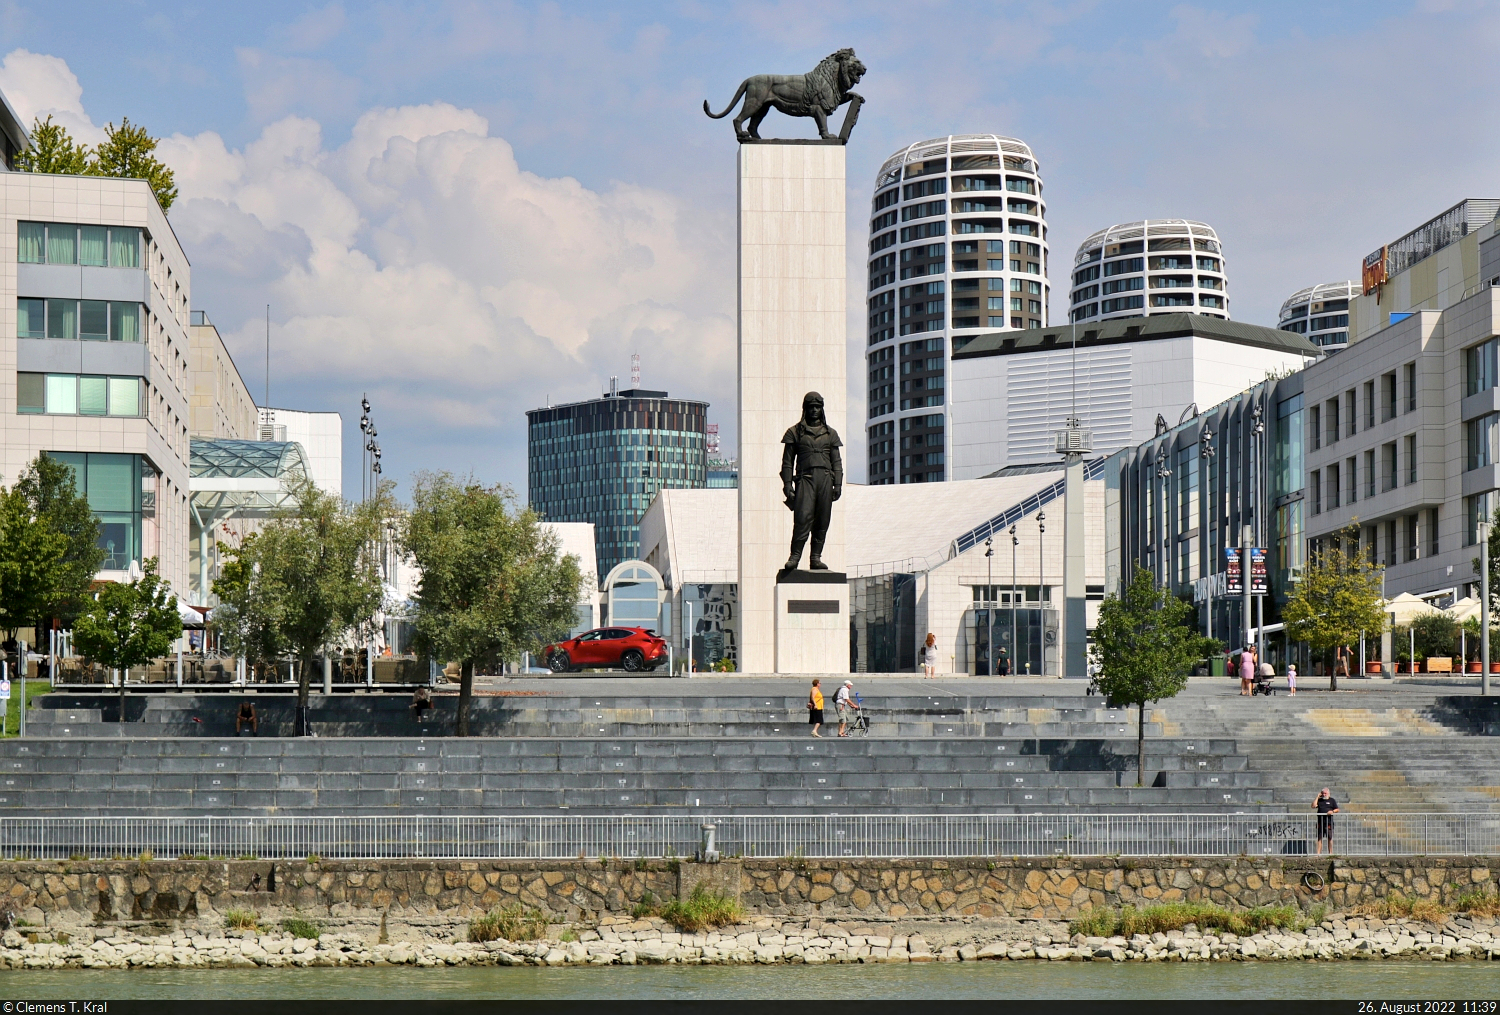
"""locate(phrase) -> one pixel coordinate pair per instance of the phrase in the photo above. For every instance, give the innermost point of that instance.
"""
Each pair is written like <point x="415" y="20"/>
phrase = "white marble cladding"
<point x="792" y="340"/>
<point x="809" y="642"/>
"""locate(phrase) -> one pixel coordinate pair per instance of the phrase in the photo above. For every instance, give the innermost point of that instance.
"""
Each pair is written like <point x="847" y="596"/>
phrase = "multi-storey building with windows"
<point x="603" y="461"/>
<point x="1320" y="312"/>
<point x="1403" y="428"/>
<point x="1442" y="261"/>
<point x="958" y="248"/>
<point x="98" y="340"/>
<point x="1140" y="269"/>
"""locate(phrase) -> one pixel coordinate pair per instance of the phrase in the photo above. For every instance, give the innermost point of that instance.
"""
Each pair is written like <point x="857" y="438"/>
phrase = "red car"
<point x="630" y="648"/>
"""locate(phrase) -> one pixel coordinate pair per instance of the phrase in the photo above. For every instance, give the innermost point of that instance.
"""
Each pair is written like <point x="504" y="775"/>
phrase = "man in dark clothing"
<point x="812" y="478"/>
<point x="1327" y="807"/>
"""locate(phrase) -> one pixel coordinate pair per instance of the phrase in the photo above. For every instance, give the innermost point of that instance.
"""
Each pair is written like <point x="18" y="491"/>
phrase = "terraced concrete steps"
<point x="520" y="775"/>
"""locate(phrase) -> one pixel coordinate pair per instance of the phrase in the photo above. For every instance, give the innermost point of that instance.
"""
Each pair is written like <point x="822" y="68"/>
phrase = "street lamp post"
<point x="1163" y="474"/>
<point x="1484" y="609"/>
<point x="1041" y="583"/>
<point x="1014" y="542"/>
<point x="1258" y="457"/>
<point x="991" y="599"/>
<point x="1210" y="558"/>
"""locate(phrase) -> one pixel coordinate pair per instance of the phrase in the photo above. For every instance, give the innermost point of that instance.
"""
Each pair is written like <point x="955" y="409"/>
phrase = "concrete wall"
<point x="62" y="893"/>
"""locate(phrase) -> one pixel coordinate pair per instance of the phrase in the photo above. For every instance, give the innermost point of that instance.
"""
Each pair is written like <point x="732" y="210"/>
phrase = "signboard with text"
<point x="1234" y="570"/>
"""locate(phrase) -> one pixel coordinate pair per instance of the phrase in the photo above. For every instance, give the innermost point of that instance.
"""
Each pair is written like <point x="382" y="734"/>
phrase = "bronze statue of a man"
<point x="812" y="478"/>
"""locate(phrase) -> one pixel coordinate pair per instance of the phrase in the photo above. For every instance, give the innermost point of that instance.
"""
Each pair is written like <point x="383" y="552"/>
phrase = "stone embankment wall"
<point x="586" y="891"/>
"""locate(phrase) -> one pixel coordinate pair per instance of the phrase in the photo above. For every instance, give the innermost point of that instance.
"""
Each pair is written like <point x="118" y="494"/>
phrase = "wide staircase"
<point x="535" y="753"/>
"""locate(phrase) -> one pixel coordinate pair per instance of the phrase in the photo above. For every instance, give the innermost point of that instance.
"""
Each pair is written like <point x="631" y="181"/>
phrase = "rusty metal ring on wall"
<point x="1312" y="881"/>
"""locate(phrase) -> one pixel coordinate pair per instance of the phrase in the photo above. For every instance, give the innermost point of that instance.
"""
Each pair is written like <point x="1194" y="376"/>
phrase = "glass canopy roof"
<point x="233" y="459"/>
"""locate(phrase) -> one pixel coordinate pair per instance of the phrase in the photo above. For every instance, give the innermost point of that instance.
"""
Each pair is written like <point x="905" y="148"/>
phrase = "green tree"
<point x="491" y="578"/>
<point x="49" y="546"/>
<point x="304" y="582"/>
<point x="1338" y="597"/>
<point x="1436" y="634"/>
<point x="129" y="624"/>
<point x="128" y="152"/>
<point x="1146" y="647"/>
<point x="53" y="150"/>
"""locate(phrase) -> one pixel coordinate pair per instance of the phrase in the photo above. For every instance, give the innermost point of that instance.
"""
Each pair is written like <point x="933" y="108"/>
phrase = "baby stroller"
<point x="1261" y="684"/>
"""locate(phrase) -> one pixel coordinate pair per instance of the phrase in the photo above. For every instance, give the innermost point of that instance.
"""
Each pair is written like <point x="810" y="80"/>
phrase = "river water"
<point x="970" y="980"/>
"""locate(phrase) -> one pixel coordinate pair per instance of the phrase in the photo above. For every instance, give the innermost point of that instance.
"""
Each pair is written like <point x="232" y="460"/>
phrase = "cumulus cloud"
<point x="39" y="86"/>
<point x="418" y="260"/>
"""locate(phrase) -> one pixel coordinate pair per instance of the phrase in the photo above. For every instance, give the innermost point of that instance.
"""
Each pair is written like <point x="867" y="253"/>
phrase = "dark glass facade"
<point x="113" y="486"/>
<point x="602" y="461"/>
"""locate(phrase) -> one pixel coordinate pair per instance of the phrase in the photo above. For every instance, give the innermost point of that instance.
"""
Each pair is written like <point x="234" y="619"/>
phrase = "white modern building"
<point x="97" y="339"/>
<point x="958" y="248"/>
<point x="1320" y="313"/>
<point x="1126" y="380"/>
<point x="321" y="435"/>
<point x="1157" y="266"/>
<point x="916" y="564"/>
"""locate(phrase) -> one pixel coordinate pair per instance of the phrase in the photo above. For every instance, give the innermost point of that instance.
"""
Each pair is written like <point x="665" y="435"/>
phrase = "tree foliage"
<point x="1338" y="597"/>
<point x="129" y="624"/>
<point x="53" y="150"/>
<point x="1146" y="648"/>
<point x="49" y="546"/>
<point x="128" y="152"/>
<point x="1436" y="634"/>
<point x="492" y="581"/>
<point x="304" y="582"/>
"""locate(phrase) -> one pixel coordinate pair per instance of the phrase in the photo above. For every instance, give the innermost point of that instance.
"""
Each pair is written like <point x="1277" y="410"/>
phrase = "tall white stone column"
<point x="792" y="340"/>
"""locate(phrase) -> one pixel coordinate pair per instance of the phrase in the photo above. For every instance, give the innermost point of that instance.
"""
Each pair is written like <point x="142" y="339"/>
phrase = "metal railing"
<point x="526" y="837"/>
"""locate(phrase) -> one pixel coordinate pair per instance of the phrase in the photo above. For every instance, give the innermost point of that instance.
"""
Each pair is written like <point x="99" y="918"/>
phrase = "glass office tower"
<point x="603" y="460"/>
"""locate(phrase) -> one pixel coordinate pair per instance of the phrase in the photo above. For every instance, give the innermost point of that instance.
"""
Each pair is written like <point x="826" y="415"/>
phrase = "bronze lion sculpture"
<point x="816" y="94"/>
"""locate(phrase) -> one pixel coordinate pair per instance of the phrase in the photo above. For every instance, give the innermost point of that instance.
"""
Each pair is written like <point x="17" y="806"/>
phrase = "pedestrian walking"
<point x="845" y="705"/>
<point x="929" y="655"/>
<point x="1291" y="679"/>
<point x="815" y="707"/>
<point x="1247" y="671"/>
<point x="1327" y="807"/>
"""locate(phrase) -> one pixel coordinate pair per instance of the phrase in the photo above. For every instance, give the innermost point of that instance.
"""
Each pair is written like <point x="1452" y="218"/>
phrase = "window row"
<point x="1344" y="483"/>
<point x="1339" y="417"/>
<point x="86" y="320"/>
<point x="63" y="243"/>
<point x="78" y="395"/>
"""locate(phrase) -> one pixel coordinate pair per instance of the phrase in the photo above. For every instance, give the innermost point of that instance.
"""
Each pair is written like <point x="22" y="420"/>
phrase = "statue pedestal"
<point x="792" y="340"/>
<point x="812" y="622"/>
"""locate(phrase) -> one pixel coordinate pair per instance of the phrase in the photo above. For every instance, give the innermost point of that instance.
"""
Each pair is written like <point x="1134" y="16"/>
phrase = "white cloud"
<point x="418" y="259"/>
<point x="38" y="86"/>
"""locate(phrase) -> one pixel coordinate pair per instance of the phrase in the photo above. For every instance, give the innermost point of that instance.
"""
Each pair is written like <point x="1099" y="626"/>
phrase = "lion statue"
<point x="816" y="94"/>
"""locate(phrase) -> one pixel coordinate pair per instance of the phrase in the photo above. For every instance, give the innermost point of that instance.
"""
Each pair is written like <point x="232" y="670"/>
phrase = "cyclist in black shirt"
<point x="1327" y="807"/>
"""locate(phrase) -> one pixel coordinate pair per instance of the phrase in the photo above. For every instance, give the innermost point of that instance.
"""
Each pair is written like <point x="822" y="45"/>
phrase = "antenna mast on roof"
<point x="267" y="402"/>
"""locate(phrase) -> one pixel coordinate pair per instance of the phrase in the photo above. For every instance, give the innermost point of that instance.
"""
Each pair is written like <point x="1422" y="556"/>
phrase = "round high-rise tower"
<point x="1140" y="269"/>
<point x="958" y="248"/>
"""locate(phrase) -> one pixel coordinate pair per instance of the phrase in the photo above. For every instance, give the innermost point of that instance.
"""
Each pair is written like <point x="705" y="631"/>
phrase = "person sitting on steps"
<point x="247" y="717"/>
<point x="421" y="702"/>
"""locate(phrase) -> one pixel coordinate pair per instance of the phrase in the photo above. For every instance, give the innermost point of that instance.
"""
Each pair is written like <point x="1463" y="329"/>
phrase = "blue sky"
<point x="468" y="209"/>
